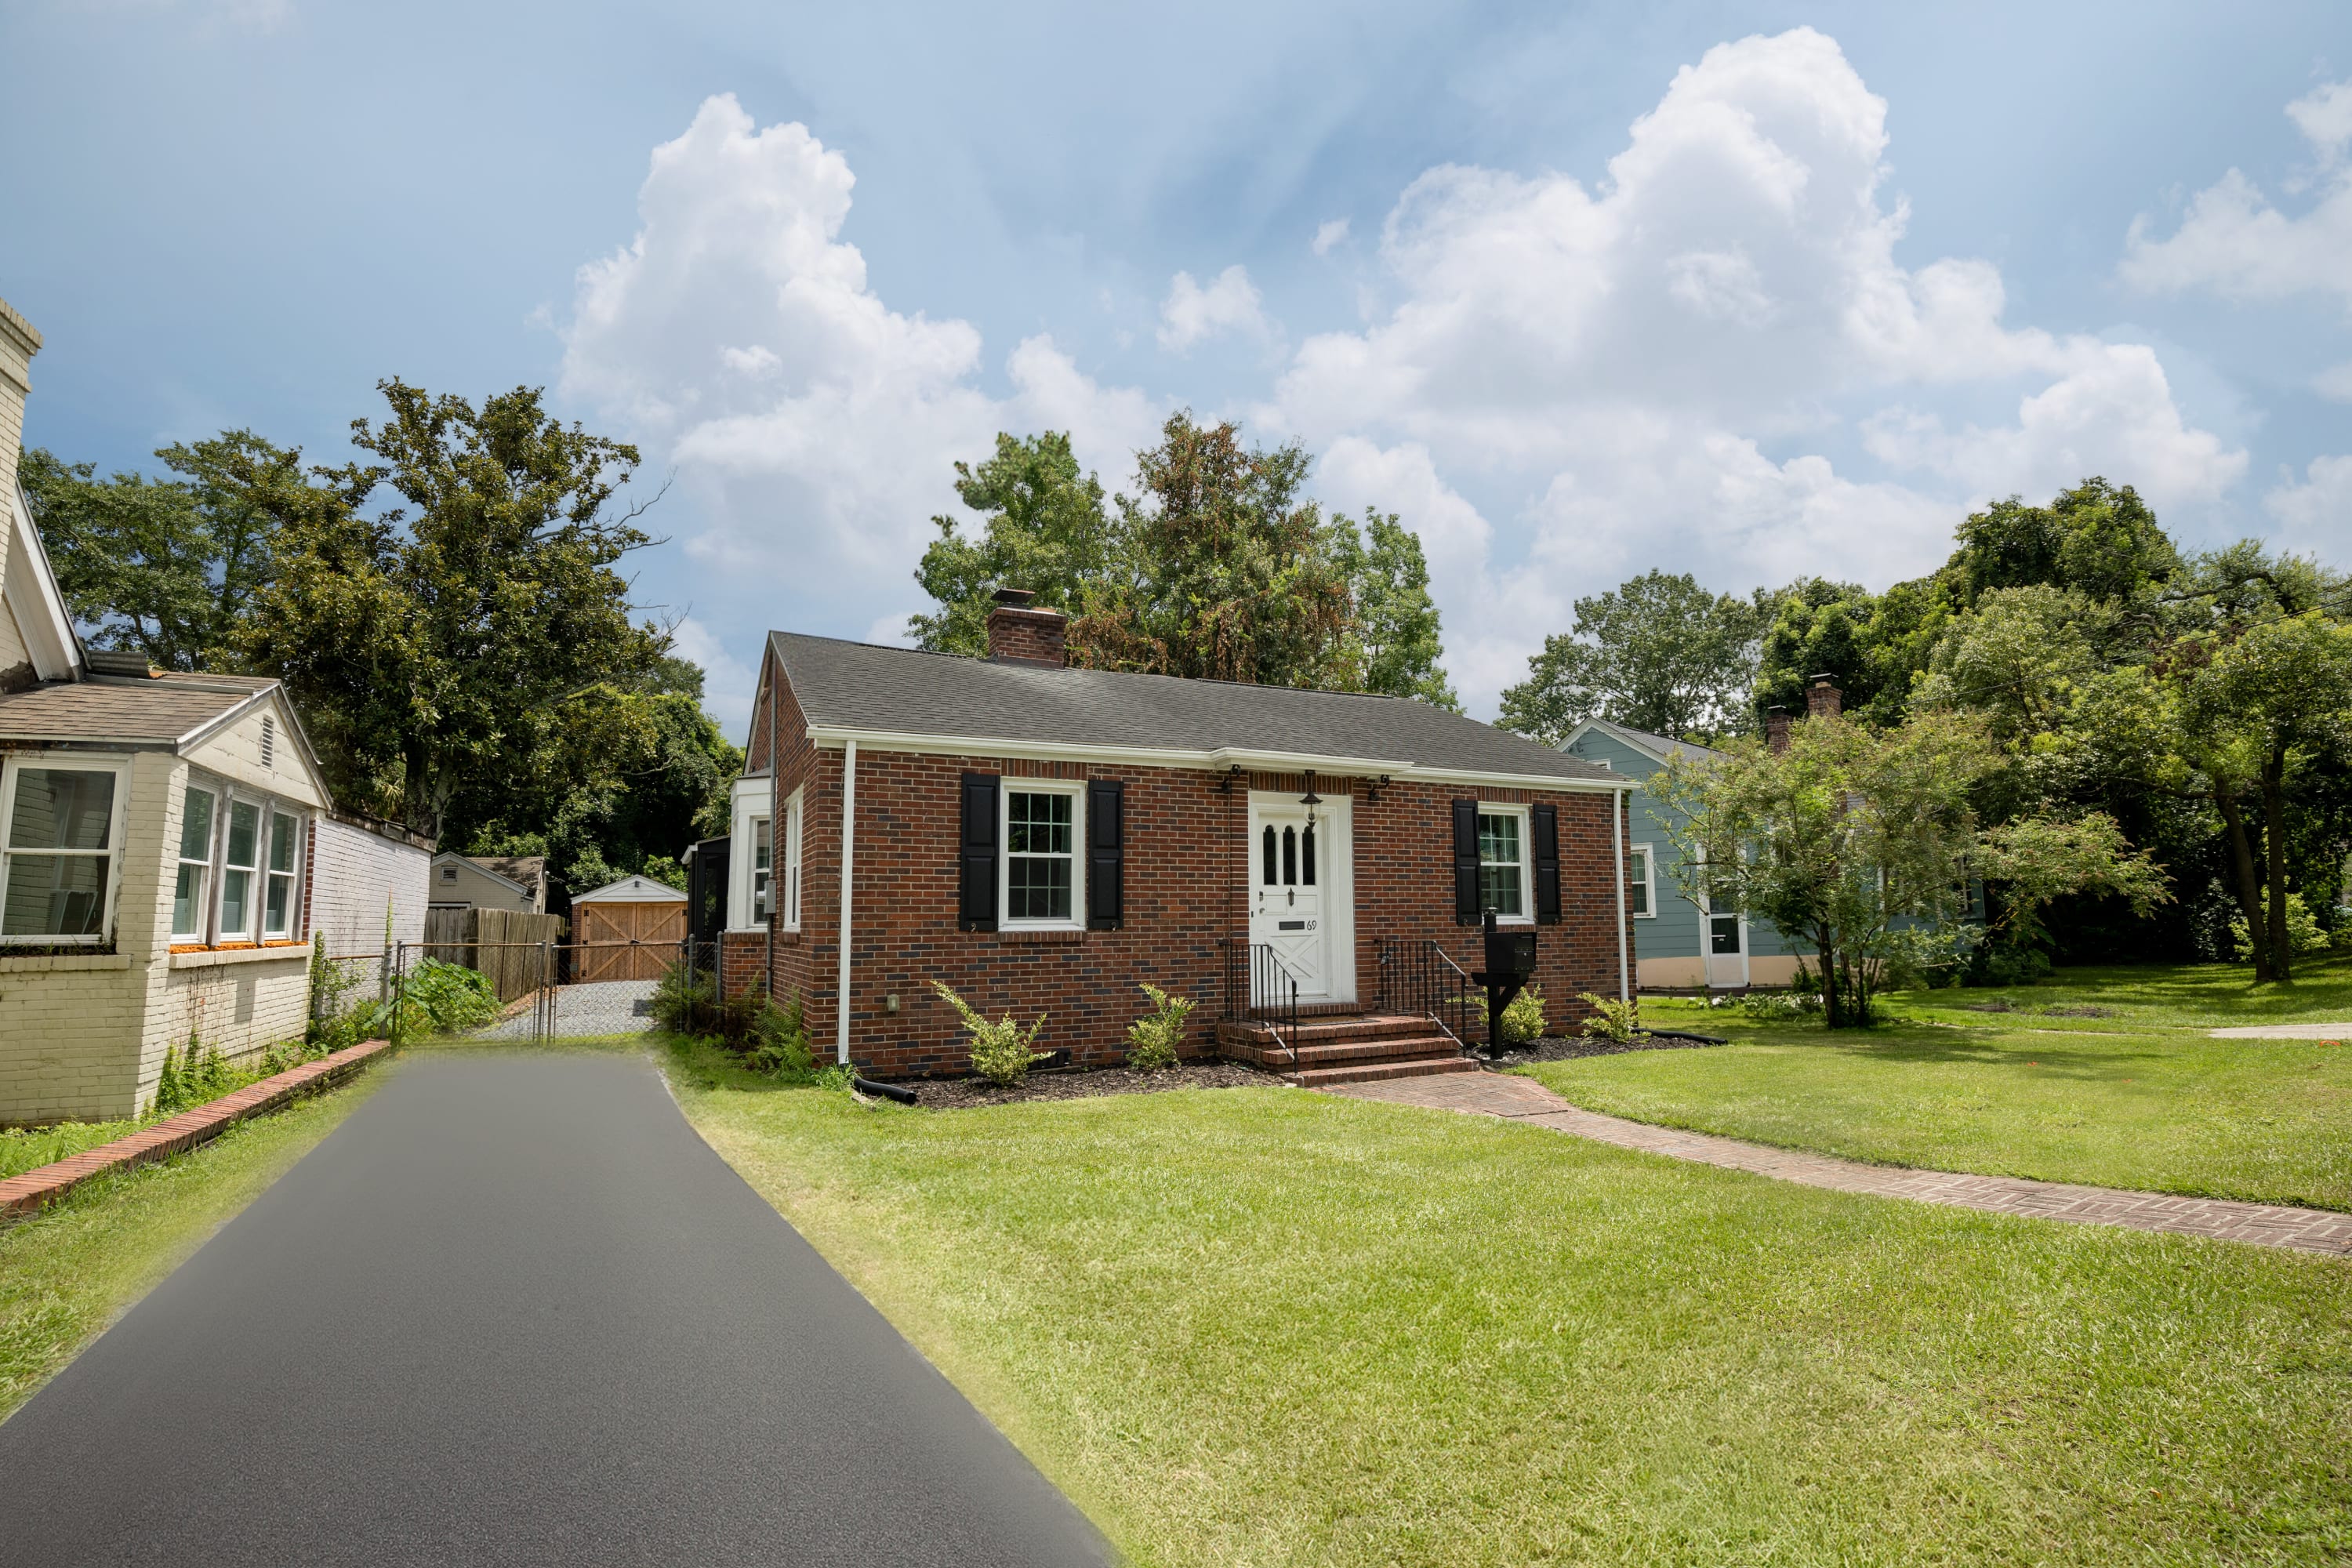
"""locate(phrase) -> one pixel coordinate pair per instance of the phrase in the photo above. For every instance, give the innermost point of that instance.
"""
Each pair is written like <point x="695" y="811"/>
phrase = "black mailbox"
<point x="1510" y="955"/>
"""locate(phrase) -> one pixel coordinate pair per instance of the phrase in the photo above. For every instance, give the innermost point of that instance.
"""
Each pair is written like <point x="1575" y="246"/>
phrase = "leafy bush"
<point x="2304" y="931"/>
<point x="1611" y="1019"/>
<point x="686" y="1001"/>
<point x="441" y="998"/>
<point x="191" y="1078"/>
<point x="1000" y="1051"/>
<point x="1523" y="1018"/>
<point x="780" y="1041"/>
<point x="1153" y="1039"/>
<point x="1780" y="1006"/>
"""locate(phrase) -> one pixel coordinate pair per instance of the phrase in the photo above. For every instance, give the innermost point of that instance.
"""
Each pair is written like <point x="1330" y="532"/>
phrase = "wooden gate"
<point x="627" y="941"/>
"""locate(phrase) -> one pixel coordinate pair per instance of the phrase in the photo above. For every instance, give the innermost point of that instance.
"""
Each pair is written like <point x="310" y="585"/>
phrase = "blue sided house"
<point x="1681" y="945"/>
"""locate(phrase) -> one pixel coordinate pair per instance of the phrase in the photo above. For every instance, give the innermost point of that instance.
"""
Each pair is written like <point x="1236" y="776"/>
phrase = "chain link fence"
<point x="551" y="991"/>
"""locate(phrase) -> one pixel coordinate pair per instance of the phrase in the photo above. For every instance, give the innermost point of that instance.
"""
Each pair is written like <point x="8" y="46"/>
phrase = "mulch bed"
<point x="1568" y="1048"/>
<point x="960" y="1093"/>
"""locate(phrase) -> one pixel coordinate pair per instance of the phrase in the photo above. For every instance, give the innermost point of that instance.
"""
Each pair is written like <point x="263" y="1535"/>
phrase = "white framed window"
<point x="1040" y="872"/>
<point x="1505" y="872"/>
<point x="60" y="839"/>
<point x="280" y="890"/>
<point x="1641" y="883"/>
<point x="240" y="877"/>
<point x="763" y="867"/>
<point x="190" y="909"/>
<point x="792" y="859"/>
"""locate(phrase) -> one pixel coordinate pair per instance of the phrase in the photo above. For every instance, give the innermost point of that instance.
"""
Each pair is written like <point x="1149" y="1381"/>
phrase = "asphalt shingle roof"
<point x="156" y="712"/>
<point x="1662" y="745"/>
<point x="860" y="687"/>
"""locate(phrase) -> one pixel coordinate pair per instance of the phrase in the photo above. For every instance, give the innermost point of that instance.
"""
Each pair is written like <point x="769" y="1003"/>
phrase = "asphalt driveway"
<point x="514" y="1310"/>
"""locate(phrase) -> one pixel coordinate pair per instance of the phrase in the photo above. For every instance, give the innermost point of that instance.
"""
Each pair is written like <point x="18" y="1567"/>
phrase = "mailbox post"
<point x="1510" y="962"/>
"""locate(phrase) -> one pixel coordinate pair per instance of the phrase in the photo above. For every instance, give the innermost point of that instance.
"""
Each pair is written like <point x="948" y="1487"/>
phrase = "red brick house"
<point x="1044" y="838"/>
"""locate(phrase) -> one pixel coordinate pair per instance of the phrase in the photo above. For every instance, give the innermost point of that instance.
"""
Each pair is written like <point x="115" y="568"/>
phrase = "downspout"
<point x="775" y="837"/>
<point x="1617" y="804"/>
<point x="848" y="870"/>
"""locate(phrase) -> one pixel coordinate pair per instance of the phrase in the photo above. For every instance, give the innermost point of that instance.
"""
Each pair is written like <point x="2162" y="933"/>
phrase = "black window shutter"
<point x="1546" y="825"/>
<point x="1466" y="862"/>
<point x="1105" y="853"/>
<point x="976" y="907"/>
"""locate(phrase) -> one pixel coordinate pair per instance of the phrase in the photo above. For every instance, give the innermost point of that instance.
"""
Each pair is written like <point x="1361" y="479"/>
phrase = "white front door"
<point x="1726" y="951"/>
<point x="1292" y="892"/>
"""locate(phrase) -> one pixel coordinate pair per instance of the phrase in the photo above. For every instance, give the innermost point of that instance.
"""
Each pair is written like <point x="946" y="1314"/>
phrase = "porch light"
<point x="1310" y="800"/>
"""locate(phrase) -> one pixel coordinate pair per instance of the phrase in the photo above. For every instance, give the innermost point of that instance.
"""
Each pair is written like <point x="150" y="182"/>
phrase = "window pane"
<point x="236" y="905"/>
<point x="196" y="825"/>
<point x="281" y="905"/>
<point x="188" y="903"/>
<point x="281" y="842"/>
<point x="1498" y="865"/>
<point x="55" y="895"/>
<point x="1038" y="823"/>
<point x="1722" y="932"/>
<point x="1498" y="839"/>
<point x="1637" y="892"/>
<point x="1041" y="887"/>
<point x="243" y="833"/>
<point x="1499" y="889"/>
<point x="61" y="809"/>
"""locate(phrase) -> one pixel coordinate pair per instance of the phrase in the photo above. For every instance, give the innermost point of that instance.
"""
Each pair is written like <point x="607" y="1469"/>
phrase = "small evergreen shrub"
<point x="1154" y="1038"/>
<point x="1611" y="1019"/>
<point x="1000" y="1051"/>
<point x="1523" y="1018"/>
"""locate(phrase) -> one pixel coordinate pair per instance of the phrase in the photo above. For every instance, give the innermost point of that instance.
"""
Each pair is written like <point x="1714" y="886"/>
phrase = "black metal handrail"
<point x="1419" y="977"/>
<point x="1258" y="989"/>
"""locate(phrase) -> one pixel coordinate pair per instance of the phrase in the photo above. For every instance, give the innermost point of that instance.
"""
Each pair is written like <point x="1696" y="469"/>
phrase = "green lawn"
<point x="2140" y="1097"/>
<point x="1264" y="1326"/>
<point x="70" y="1271"/>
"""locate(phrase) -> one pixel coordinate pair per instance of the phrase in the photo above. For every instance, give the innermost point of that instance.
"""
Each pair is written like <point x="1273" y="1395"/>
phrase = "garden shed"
<point x="628" y="930"/>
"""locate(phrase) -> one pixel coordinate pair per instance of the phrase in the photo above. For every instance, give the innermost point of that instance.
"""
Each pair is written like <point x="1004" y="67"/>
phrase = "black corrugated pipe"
<point x="898" y="1092"/>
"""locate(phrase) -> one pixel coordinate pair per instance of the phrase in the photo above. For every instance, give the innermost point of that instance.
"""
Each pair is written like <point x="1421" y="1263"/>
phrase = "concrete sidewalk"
<point x="514" y="1310"/>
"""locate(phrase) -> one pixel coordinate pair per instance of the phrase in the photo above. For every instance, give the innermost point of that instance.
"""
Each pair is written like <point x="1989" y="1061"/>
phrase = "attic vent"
<point x="268" y="741"/>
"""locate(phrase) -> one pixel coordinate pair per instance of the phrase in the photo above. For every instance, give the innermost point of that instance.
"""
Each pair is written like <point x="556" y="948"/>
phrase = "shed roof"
<point x="631" y="890"/>
<point x="859" y="689"/>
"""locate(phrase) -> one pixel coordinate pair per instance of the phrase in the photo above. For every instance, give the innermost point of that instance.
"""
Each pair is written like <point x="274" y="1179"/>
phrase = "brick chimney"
<point x="1020" y="631"/>
<point x="1823" y="698"/>
<point x="1776" y="729"/>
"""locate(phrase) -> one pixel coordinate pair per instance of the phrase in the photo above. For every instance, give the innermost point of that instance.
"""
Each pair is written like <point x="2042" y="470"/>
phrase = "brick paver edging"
<point x="1524" y="1100"/>
<point x="176" y="1136"/>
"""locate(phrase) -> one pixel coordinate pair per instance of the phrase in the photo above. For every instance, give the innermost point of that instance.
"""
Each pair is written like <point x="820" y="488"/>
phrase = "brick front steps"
<point x="37" y="1189"/>
<point x="1354" y="1049"/>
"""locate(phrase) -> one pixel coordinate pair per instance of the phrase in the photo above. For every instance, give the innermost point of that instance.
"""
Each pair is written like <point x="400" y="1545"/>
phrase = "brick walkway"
<point x="1524" y="1100"/>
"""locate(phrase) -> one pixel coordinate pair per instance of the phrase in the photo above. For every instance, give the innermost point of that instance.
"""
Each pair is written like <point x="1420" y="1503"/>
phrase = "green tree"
<point x="457" y="643"/>
<point x="166" y="567"/>
<point x="1042" y="528"/>
<point x="1222" y="569"/>
<point x="2096" y="539"/>
<point x="1862" y="840"/>
<point x="1394" y="644"/>
<point x="1872" y="644"/>
<point x="1657" y="653"/>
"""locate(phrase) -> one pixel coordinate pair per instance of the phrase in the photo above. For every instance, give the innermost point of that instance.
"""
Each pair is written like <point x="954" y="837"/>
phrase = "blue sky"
<point x="1742" y="290"/>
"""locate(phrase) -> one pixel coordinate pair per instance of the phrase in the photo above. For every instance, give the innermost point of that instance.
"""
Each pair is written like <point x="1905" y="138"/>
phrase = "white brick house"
<point x="158" y="841"/>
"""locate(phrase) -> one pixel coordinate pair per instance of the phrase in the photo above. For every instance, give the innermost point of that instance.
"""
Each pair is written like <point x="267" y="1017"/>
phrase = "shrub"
<point x="1611" y="1019"/>
<point x="443" y="998"/>
<point x="1523" y="1018"/>
<point x="2304" y="931"/>
<point x="1780" y="1006"/>
<point x="779" y="1042"/>
<point x="1000" y="1051"/>
<point x="192" y="1077"/>
<point x="1153" y="1038"/>
<point x="686" y="1001"/>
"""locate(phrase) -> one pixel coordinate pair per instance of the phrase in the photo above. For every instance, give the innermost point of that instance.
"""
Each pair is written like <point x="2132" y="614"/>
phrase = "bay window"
<point x="59" y="838"/>
<point x="240" y="864"/>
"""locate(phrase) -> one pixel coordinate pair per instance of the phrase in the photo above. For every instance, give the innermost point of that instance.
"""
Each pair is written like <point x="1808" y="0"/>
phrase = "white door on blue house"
<point x="1726" y="936"/>
<point x="1299" y="886"/>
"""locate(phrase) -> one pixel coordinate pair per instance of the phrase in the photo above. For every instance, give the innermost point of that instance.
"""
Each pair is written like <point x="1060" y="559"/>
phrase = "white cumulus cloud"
<point x="2233" y="241"/>
<point x="1329" y="235"/>
<point x="2315" y="514"/>
<point x="1192" y="315"/>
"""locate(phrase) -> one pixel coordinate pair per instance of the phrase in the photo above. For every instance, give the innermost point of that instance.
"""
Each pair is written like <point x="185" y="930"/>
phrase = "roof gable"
<point x="631" y="890"/>
<point x="30" y="601"/>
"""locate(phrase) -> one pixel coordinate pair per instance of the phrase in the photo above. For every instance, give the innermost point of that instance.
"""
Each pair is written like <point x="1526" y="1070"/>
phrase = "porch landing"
<point x="1349" y="1047"/>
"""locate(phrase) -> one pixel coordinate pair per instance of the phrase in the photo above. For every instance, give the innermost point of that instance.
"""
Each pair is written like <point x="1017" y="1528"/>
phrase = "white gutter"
<point x="848" y="873"/>
<point x="1617" y="824"/>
